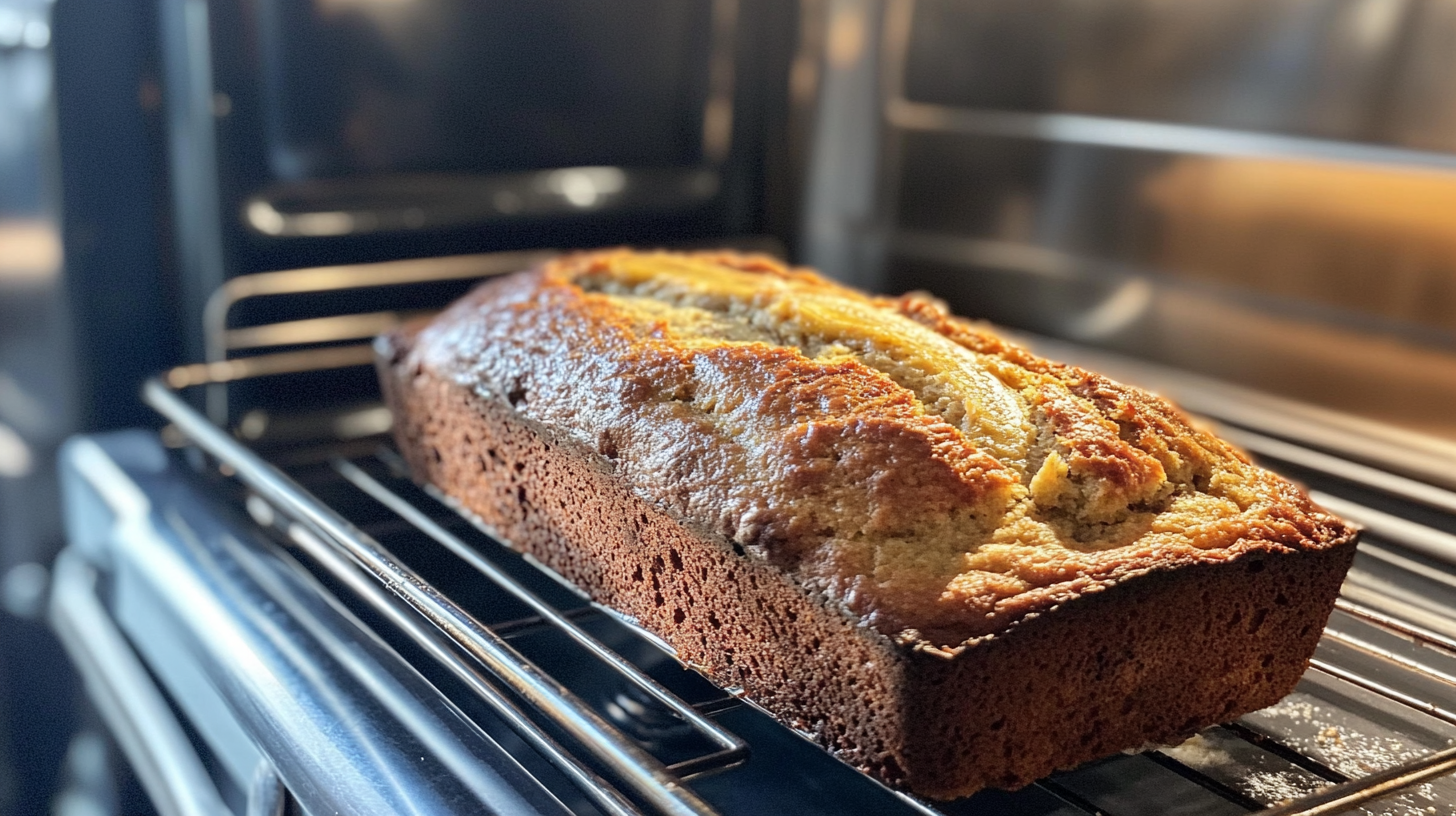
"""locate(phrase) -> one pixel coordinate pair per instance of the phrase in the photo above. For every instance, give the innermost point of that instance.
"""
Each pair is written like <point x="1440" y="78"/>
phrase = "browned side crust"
<point x="1148" y="659"/>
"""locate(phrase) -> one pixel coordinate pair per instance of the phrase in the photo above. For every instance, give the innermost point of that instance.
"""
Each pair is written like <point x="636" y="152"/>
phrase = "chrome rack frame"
<point x="137" y="714"/>
<point x="220" y="340"/>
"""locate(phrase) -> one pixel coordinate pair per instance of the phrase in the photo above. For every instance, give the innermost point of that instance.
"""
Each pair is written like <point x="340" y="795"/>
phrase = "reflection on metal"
<point x="843" y="198"/>
<point x="219" y="339"/>
<point x="718" y="110"/>
<point x="804" y="71"/>
<point x="1383" y="481"/>
<point x="360" y="206"/>
<point x="953" y="249"/>
<point x="314" y="330"/>
<point x="263" y="218"/>
<point x="586" y="187"/>
<point x="1404" y="662"/>
<point x="24" y="28"/>
<point x="1128" y="134"/>
<point x="1377" y="593"/>
<point x="134" y="710"/>
<point x="191" y="135"/>
<point x="1125" y="301"/>
<point x="1379" y="240"/>
<point x="12" y="27"/>
<point x="287" y="362"/>
<point x="1402" y="625"/>
<point x="352" y="276"/>
<point x="1425" y="540"/>
<point x="21" y="408"/>
<point x="1342" y="798"/>
<point x="1116" y="313"/>
<point x="434" y="643"/>
<point x="266" y="794"/>
<point x="16" y="459"/>
<point x="445" y="88"/>
<point x="263" y="662"/>
<point x="1357" y="70"/>
<point x="848" y="33"/>
<point x="363" y="423"/>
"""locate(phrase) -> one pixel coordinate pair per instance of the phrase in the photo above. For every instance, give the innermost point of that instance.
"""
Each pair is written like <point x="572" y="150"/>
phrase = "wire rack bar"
<point x="731" y="747"/>
<point x="427" y="638"/>
<point x="1341" y="798"/>
<point x="1419" y="633"/>
<point x="644" y="774"/>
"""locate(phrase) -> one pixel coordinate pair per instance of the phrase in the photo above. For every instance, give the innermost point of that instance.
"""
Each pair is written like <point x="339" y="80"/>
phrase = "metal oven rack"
<point x="1370" y="729"/>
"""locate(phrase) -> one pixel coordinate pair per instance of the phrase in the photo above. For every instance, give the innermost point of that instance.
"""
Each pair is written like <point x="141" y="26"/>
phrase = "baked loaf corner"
<point x="956" y="564"/>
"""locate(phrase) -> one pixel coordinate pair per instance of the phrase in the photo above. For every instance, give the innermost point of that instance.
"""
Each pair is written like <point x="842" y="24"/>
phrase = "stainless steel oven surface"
<point x="1245" y="206"/>
<point x="1258" y="191"/>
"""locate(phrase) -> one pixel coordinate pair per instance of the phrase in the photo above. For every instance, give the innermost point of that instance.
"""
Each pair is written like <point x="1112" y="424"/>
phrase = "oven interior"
<point x="1241" y="205"/>
<point x="260" y="496"/>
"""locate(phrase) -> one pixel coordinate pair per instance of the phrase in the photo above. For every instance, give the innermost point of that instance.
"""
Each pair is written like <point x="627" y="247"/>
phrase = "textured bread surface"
<point x="952" y="562"/>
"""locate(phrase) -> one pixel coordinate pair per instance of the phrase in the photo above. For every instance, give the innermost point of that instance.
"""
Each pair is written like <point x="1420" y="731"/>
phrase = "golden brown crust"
<point x="819" y="438"/>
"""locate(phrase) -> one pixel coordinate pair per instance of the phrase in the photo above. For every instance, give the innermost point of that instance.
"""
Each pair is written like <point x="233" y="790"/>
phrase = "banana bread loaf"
<point x="952" y="562"/>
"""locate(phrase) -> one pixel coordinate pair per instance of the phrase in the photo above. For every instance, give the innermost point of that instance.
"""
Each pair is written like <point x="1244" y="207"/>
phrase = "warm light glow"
<point x="332" y="7"/>
<point x="323" y="223"/>
<point x="586" y="187"/>
<point x="15" y="457"/>
<point x="846" y="35"/>
<point x="30" y="251"/>
<point x="263" y="218"/>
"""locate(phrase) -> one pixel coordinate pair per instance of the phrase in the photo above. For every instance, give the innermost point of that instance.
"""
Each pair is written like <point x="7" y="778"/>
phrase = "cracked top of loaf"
<point x="905" y="464"/>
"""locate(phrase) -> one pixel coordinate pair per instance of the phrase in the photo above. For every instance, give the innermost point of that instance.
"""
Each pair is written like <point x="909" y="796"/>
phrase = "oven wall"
<point x="308" y="133"/>
<point x="38" y="386"/>
<point x="1261" y="190"/>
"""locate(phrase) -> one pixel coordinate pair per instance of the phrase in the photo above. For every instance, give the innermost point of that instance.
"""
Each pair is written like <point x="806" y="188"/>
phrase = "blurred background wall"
<point x="36" y="409"/>
<point x="80" y="275"/>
